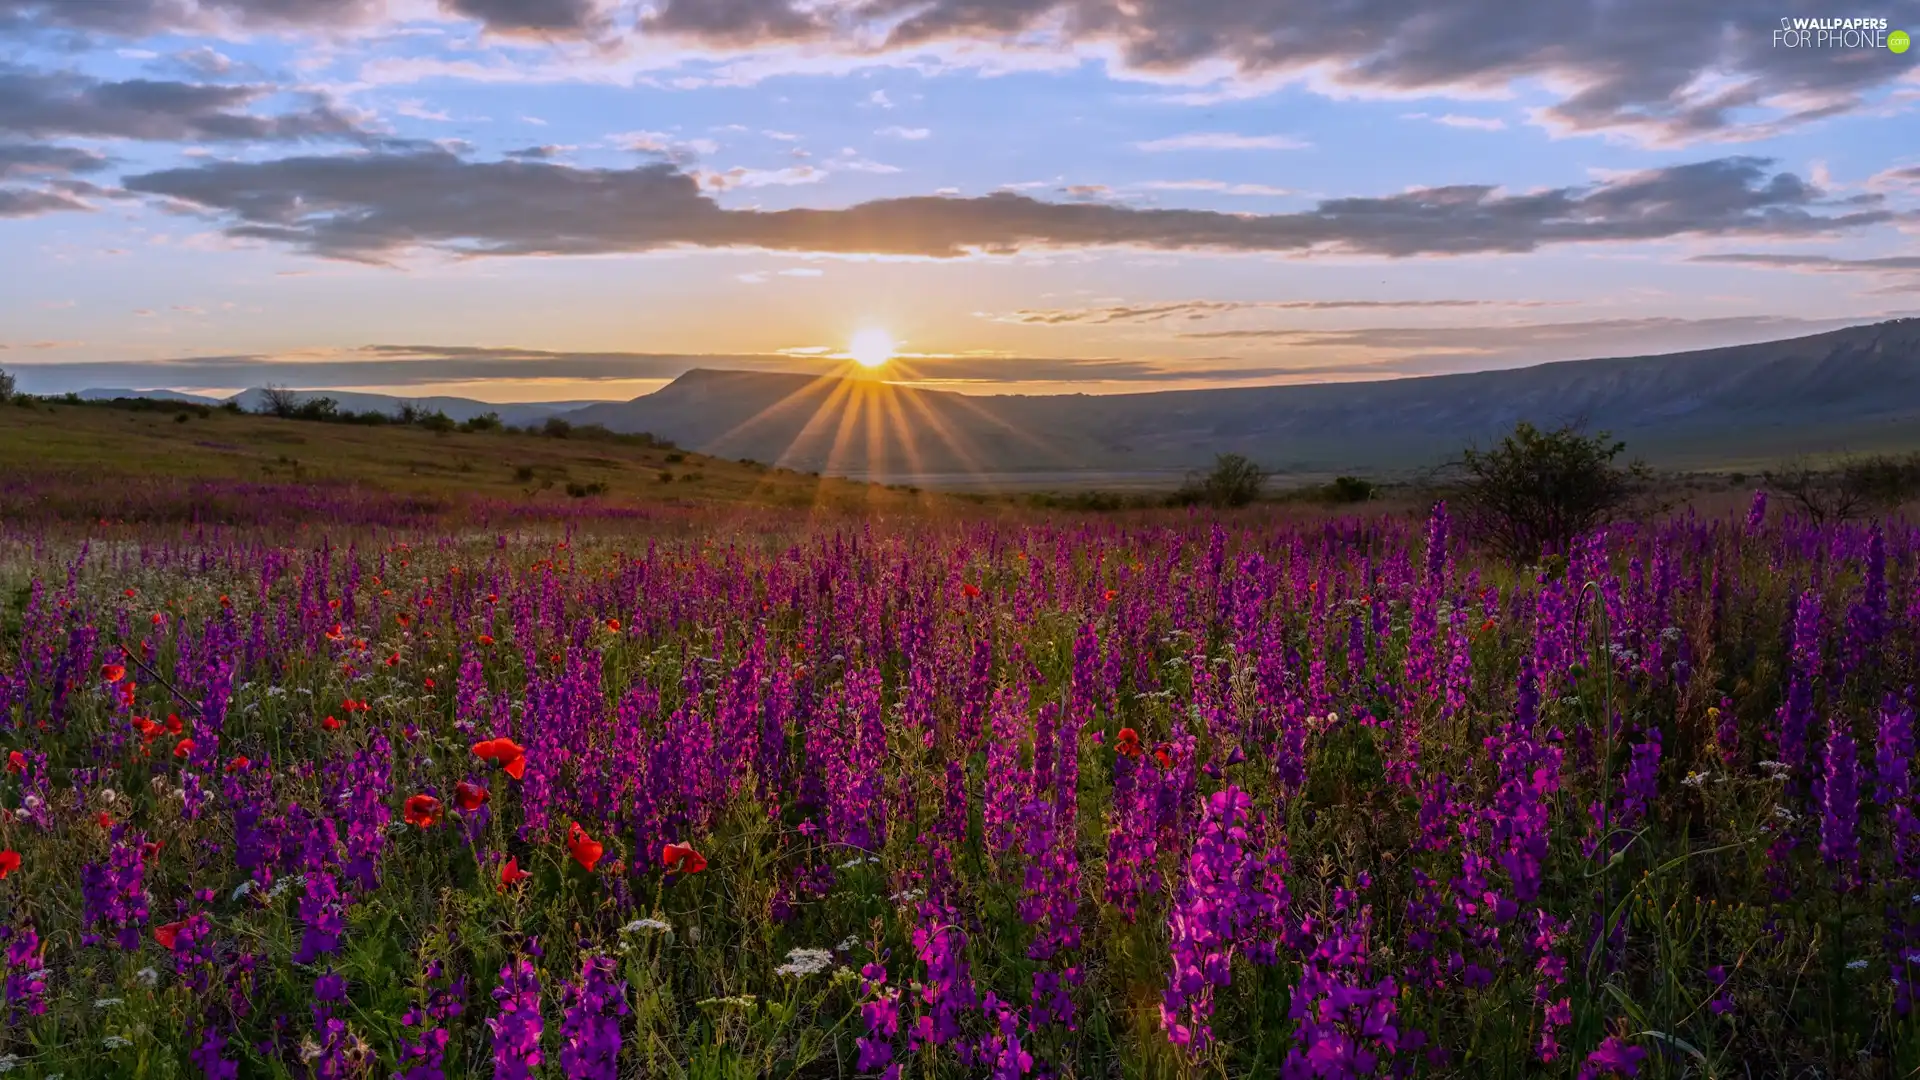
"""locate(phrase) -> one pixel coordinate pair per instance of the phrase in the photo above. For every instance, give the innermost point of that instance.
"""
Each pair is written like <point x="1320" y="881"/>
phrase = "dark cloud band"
<point x="372" y="206"/>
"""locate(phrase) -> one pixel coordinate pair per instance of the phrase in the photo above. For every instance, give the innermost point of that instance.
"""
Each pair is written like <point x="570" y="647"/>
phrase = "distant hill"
<point x="1845" y="389"/>
<point x="457" y="408"/>
<point x="159" y="395"/>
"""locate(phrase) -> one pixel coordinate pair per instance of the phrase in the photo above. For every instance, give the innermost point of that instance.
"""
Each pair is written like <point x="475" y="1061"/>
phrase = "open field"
<point x="364" y="775"/>
<point x="114" y="445"/>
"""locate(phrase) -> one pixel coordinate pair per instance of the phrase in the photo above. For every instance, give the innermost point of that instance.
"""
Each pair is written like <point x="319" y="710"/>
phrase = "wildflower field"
<point x="347" y="788"/>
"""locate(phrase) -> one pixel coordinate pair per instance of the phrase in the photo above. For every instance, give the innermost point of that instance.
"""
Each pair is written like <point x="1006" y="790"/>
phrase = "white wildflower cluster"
<point x="147" y="977"/>
<point x="9" y="1062"/>
<point x="1695" y="778"/>
<point x="857" y="860"/>
<point x="737" y="1001"/>
<point x="1783" y="813"/>
<point x="802" y="962"/>
<point x="908" y="896"/>
<point x="1776" y="770"/>
<point x="641" y="926"/>
<point x="1856" y="965"/>
<point x="107" y="1003"/>
<point x="115" y="1042"/>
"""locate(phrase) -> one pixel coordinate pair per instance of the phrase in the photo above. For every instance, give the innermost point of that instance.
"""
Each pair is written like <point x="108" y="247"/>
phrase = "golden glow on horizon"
<point x="871" y="347"/>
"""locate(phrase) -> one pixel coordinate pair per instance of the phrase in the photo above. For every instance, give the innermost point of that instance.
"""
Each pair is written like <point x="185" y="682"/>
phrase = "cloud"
<point x="531" y="16"/>
<point x="1665" y="74"/>
<point x="659" y="142"/>
<point x="740" y="23"/>
<point x="29" y="159"/>
<point x="897" y="132"/>
<point x="27" y="202"/>
<point x="1886" y="264"/>
<point x="1463" y="347"/>
<point x="1454" y="120"/>
<point x="53" y="104"/>
<point x="1193" y="310"/>
<point x="1222" y="187"/>
<point x="140" y="18"/>
<point x="1220" y="140"/>
<point x="375" y="205"/>
<point x="738" y="177"/>
<point x="539" y="153"/>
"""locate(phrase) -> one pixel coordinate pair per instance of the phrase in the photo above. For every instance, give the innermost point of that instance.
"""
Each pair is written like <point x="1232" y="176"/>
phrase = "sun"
<point x="871" y="347"/>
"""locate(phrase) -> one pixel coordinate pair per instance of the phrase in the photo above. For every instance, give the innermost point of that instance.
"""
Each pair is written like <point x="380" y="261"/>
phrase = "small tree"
<point x="6" y="385"/>
<point x="278" y="401"/>
<point x="1538" y="490"/>
<point x="1234" y="481"/>
<point x="557" y="428"/>
<point x="1855" y="487"/>
<point x="409" y="412"/>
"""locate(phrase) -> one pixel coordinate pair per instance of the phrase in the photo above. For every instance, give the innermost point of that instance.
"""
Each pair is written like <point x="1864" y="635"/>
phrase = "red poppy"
<point x="422" y="810"/>
<point x="1486" y="626"/>
<point x="511" y="755"/>
<point x="683" y="858"/>
<point x="403" y="617"/>
<point x="493" y="598"/>
<point x="113" y="672"/>
<point x="1164" y="755"/>
<point x="9" y="862"/>
<point x="394" y="660"/>
<point x="1127" y="742"/>
<point x="1110" y="594"/>
<point x="470" y="797"/>
<point x="429" y="684"/>
<point x="168" y="934"/>
<point x="151" y="849"/>
<point x="158" y="618"/>
<point x="239" y="763"/>
<point x="970" y="590"/>
<point x="585" y="849"/>
<point x="183" y="748"/>
<point x="613" y="625"/>
<point x="334" y="604"/>
<point x="511" y="874"/>
<point x="174" y="724"/>
<point x="225" y="600"/>
<point x="105" y="820"/>
<point x="16" y="762"/>
<point x="331" y="723"/>
<point x="336" y="634"/>
<point x="129" y="594"/>
<point x="486" y="639"/>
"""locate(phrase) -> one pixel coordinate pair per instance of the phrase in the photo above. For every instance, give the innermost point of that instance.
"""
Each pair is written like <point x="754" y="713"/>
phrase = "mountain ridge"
<point x="1810" y="393"/>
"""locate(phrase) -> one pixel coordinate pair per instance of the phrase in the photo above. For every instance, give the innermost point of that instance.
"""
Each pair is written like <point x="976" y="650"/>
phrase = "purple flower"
<point x="1613" y="1058"/>
<point x="590" y="1024"/>
<point x="517" y="1026"/>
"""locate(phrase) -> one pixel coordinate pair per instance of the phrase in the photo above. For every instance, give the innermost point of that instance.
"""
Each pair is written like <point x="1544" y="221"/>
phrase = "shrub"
<point x="556" y="428"/>
<point x="1854" y="487"/>
<point x="438" y="422"/>
<point x="7" y="384"/>
<point x="1234" y="481"/>
<point x="1349" y="489"/>
<point x="1537" y="490"/>
<point x="581" y="491"/>
<point x="278" y="401"/>
<point x="484" y="422"/>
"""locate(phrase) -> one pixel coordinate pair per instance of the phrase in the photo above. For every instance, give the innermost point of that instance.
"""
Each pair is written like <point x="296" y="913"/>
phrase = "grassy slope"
<point x="117" y="443"/>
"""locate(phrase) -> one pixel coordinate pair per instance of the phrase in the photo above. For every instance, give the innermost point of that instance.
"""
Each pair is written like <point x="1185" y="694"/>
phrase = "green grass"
<point x="110" y="444"/>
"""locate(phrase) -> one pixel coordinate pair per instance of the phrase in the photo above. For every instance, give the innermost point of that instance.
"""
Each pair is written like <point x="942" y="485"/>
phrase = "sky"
<point x="543" y="200"/>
